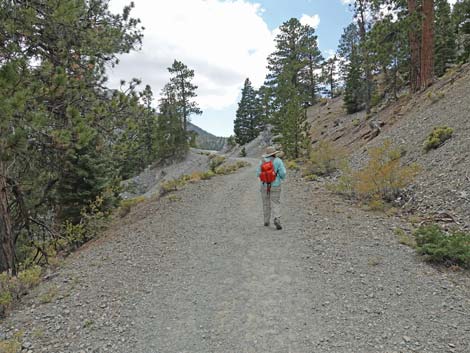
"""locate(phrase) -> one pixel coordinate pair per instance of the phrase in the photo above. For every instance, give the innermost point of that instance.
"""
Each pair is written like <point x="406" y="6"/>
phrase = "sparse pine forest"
<point x="66" y="139"/>
<point x="391" y="47"/>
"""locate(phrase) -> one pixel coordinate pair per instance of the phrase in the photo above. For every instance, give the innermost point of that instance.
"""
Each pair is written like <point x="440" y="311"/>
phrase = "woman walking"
<point x="271" y="172"/>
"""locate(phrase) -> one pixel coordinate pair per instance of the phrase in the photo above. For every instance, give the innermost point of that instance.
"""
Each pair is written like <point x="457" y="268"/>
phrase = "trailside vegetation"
<point x="392" y="44"/>
<point x="67" y="140"/>
<point x="293" y="78"/>
<point x="248" y="122"/>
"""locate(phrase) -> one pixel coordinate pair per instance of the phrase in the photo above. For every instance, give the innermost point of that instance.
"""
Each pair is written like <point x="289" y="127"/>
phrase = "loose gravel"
<point x="199" y="273"/>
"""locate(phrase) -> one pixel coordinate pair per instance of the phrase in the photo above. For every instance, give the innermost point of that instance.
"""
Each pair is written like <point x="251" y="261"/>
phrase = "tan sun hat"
<point x="270" y="151"/>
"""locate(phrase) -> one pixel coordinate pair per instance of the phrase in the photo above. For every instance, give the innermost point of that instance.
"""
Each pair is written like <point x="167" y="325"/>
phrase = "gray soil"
<point x="200" y="273"/>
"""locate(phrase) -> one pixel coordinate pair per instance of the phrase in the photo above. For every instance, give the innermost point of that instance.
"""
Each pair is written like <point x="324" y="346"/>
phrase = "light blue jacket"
<point x="278" y="167"/>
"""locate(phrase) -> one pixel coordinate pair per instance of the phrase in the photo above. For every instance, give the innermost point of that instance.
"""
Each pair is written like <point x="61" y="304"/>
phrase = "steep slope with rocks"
<point x="443" y="185"/>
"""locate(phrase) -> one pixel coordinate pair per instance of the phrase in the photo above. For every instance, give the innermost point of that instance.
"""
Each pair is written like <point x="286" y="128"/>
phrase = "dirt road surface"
<point x="199" y="273"/>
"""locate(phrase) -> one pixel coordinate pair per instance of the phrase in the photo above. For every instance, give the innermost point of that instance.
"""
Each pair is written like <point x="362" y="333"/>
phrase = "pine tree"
<point x="312" y="59"/>
<point x="265" y="99"/>
<point x="461" y="19"/>
<point x="362" y="8"/>
<point x="247" y="124"/>
<point x="57" y="107"/>
<point x="290" y="120"/>
<point x="171" y="137"/>
<point x="351" y="69"/>
<point x="354" y="87"/>
<point x="329" y="76"/>
<point x="294" y="83"/>
<point x="445" y="41"/>
<point x="185" y="91"/>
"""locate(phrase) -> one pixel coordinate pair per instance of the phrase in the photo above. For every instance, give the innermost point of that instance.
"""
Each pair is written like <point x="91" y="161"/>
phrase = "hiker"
<point x="271" y="172"/>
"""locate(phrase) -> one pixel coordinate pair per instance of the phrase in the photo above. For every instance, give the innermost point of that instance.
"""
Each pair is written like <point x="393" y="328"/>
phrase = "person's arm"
<point x="281" y="169"/>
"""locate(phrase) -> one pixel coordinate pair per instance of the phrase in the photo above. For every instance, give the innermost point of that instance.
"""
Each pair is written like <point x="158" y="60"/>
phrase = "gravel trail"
<point x="199" y="273"/>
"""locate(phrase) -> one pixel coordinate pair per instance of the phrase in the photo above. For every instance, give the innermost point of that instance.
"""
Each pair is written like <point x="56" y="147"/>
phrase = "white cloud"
<point x="312" y="21"/>
<point x="223" y="41"/>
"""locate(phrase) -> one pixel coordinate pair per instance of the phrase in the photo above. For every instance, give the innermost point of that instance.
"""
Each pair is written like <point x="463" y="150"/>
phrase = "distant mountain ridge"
<point x="206" y="140"/>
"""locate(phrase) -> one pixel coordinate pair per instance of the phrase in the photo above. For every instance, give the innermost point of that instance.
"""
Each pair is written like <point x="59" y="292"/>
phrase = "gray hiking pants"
<point x="271" y="202"/>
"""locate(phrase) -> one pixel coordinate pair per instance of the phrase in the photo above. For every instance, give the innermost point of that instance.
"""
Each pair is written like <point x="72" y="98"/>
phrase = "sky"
<point x="223" y="41"/>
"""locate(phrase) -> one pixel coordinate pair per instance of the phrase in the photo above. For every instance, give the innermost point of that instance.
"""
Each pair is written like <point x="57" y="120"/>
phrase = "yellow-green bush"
<point x="382" y="179"/>
<point x="126" y="205"/>
<point x="230" y="168"/>
<point x="435" y="96"/>
<point x="437" y="137"/>
<point x="12" y="345"/>
<point x="207" y="175"/>
<point x="173" y="185"/>
<point x="324" y="159"/>
<point x="215" y="162"/>
<point x="292" y="164"/>
<point x="12" y="287"/>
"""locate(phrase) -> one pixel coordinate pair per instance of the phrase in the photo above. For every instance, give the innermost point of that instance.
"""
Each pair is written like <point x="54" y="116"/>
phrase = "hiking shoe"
<point x="266" y="224"/>
<point x="277" y="223"/>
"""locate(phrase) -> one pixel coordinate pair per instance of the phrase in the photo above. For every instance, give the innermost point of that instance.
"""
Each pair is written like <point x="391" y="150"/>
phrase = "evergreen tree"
<point x="329" y="76"/>
<point x="247" y="123"/>
<point x="351" y="69"/>
<point x="362" y="8"/>
<point x="389" y="52"/>
<point x="290" y="120"/>
<point x="171" y="136"/>
<point x="52" y="129"/>
<point x="265" y="99"/>
<point x="461" y="19"/>
<point x="354" y="86"/>
<point x="312" y="59"/>
<point x="294" y="83"/>
<point x="445" y="41"/>
<point x="185" y="91"/>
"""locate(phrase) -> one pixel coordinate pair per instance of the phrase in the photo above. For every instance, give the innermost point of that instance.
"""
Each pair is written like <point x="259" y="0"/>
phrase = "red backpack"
<point x="268" y="174"/>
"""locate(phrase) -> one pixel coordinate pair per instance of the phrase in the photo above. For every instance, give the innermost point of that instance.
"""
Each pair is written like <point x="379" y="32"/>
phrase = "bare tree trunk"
<point x="7" y="251"/>
<point x="427" y="42"/>
<point x="413" y="36"/>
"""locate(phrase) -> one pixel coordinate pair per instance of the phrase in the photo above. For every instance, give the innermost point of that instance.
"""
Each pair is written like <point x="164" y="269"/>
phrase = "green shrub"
<point x="49" y="295"/>
<point x="11" y="288"/>
<point x="207" y="175"/>
<point x="439" y="246"/>
<point x="30" y="277"/>
<point x="230" y="168"/>
<point x="437" y="137"/>
<point x="435" y="96"/>
<point x="311" y="177"/>
<point x="324" y="159"/>
<point x="243" y="152"/>
<point x="173" y="184"/>
<point x="126" y="205"/>
<point x="215" y="162"/>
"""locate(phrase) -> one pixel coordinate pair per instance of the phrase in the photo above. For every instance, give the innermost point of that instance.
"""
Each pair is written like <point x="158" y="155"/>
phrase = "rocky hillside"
<point x="206" y="140"/>
<point x="442" y="189"/>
